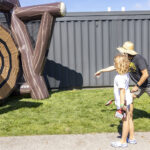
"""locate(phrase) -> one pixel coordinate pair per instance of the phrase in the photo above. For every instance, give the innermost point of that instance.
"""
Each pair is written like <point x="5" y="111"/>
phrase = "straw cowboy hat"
<point x="128" y="48"/>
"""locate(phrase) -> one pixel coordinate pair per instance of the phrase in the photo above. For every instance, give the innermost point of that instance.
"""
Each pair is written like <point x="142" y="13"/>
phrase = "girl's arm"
<point x="122" y="98"/>
<point x="108" y="69"/>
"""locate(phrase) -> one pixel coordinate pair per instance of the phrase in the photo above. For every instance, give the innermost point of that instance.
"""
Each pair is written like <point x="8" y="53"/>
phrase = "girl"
<point x="123" y="98"/>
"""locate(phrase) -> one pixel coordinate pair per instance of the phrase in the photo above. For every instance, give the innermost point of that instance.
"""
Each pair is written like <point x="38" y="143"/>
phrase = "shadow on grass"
<point x="53" y="91"/>
<point x="14" y="103"/>
<point x="140" y="114"/>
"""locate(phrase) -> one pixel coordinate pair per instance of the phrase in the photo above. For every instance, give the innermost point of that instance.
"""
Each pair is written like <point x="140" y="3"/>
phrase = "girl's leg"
<point x="131" y="124"/>
<point x="125" y="128"/>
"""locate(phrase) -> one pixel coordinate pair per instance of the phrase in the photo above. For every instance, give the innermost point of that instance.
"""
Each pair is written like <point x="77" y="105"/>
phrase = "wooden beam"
<point x="8" y="5"/>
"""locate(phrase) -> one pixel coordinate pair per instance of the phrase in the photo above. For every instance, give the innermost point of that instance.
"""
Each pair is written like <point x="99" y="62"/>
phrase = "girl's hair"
<point x="121" y="63"/>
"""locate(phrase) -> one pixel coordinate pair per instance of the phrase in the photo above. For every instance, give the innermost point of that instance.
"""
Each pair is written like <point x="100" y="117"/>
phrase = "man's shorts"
<point x="141" y="91"/>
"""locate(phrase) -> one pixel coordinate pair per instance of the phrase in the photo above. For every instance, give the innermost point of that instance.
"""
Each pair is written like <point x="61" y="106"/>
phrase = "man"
<point x="139" y="73"/>
<point x="139" y="70"/>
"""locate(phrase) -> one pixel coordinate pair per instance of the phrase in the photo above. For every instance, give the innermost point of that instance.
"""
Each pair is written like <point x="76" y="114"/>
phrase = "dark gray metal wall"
<point x="83" y="43"/>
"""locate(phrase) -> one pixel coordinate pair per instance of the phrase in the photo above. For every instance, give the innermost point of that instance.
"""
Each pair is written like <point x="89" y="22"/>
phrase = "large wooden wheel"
<point x="9" y="63"/>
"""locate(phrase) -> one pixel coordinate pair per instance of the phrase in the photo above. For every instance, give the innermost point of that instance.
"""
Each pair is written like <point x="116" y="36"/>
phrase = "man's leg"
<point x="147" y="90"/>
<point x="125" y="128"/>
<point x="136" y="94"/>
<point x="131" y="123"/>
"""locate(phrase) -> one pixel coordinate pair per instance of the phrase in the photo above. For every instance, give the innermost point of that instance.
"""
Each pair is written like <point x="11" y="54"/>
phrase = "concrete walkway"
<point x="72" y="142"/>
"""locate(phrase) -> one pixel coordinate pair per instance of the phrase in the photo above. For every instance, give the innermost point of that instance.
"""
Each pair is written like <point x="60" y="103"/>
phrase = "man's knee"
<point x="131" y="111"/>
<point x="134" y="96"/>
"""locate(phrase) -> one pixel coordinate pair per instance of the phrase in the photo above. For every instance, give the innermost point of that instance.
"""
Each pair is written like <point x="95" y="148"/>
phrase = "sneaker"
<point x="119" y="144"/>
<point x="132" y="141"/>
<point x="119" y="114"/>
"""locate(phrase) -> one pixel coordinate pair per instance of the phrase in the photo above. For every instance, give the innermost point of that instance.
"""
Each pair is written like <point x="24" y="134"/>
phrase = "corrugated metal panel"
<point x="4" y="19"/>
<point x="83" y="43"/>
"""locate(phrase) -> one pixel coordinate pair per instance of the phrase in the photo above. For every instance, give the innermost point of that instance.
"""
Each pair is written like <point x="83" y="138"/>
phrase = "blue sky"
<point x="94" y="5"/>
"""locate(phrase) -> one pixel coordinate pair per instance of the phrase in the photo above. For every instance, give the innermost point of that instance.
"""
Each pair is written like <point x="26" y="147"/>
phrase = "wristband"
<point x="121" y="105"/>
<point x="137" y="85"/>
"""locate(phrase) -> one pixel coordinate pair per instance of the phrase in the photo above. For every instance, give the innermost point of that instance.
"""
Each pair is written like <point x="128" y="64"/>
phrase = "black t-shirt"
<point x="138" y="63"/>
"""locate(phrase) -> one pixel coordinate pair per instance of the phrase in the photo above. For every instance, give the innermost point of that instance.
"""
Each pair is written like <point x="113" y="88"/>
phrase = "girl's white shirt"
<point x="122" y="81"/>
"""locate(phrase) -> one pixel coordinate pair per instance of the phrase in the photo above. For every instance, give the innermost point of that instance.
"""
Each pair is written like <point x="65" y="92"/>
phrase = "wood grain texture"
<point x="33" y="59"/>
<point x="7" y="5"/>
<point x="9" y="63"/>
<point x="28" y="56"/>
<point x="38" y="10"/>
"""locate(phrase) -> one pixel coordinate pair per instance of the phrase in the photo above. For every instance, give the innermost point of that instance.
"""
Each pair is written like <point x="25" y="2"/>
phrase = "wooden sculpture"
<point x="8" y="5"/>
<point x="32" y="59"/>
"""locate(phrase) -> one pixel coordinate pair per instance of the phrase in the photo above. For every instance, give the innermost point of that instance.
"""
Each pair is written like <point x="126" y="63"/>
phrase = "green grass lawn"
<point x="68" y="112"/>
